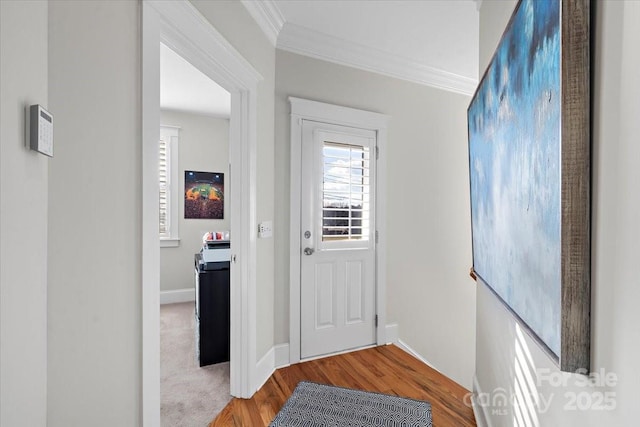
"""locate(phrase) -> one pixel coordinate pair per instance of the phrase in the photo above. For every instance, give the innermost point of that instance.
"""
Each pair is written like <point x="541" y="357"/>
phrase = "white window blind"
<point x="345" y="192"/>
<point x="168" y="183"/>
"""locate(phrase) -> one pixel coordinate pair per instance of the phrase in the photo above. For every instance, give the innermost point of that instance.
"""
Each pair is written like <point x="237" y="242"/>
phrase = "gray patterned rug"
<point x="317" y="405"/>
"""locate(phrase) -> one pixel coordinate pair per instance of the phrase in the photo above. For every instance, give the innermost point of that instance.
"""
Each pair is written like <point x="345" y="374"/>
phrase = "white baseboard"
<point x="276" y="357"/>
<point x="281" y="355"/>
<point x="404" y="346"/>
<point x="179" y="295"/>
<point x="264" y="368"/>
<point x="479" y="411"/>
<point x="392" y="333"/>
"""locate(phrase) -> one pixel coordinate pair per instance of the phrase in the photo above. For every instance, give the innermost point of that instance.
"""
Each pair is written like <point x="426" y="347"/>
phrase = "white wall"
<point x="233" y="21"/>
<point x="23" y="218"/>
<point x="429" y="292"/>
<point x="94" y="307"/>
<point x="203" y="147"/>
<point x="615" y="227"/>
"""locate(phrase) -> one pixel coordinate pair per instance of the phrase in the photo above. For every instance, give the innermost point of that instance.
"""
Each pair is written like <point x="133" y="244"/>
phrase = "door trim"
<point x="180" y="26"/>
<point x="303" y="109"/>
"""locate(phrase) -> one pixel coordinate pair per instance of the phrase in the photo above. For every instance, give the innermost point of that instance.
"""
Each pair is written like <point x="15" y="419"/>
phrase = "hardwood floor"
<point x="385" y="369"/>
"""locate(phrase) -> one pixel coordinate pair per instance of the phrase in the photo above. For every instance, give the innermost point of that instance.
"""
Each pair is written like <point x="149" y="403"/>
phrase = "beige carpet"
<point x="190" y="396"/>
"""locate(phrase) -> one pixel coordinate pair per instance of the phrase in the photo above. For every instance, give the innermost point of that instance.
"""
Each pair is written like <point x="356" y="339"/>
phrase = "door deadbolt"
<point x="307" y="234"/>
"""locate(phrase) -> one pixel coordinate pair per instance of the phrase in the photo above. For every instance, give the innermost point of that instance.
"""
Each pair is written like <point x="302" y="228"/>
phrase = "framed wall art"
<point x="529" y="169"/>
<point x="203" y="195"/>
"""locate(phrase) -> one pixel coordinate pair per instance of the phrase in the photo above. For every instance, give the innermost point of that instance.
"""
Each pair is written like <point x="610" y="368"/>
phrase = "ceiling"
<point x="185" y="88"/>
<point x="430" y="42"/>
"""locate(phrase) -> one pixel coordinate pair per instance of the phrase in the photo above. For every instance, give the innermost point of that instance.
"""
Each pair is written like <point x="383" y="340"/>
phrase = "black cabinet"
<point x="213" y="301"/>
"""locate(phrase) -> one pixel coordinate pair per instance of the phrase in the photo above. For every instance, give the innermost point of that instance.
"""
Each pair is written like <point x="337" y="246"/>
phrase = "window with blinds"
<point x="164" y="181"/>
<point x="167" y="185"/>
<point x="345" y="192"/>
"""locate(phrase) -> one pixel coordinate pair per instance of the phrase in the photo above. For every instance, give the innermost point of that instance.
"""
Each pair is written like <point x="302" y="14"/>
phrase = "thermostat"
<point x="40" y="130"/>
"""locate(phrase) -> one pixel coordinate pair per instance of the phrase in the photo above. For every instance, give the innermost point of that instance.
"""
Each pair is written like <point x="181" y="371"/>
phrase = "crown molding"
<point x="268" y="16"/>
<point x="178" y="20"/>
<point x="303" y="41"/>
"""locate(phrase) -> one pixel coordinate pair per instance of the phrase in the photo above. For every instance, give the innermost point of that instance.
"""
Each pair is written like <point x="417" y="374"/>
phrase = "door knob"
<point x="308" y="251"/>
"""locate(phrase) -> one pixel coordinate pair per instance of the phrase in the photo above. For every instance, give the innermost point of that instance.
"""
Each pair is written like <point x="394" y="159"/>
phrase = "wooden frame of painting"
<point x="530" y="177"/>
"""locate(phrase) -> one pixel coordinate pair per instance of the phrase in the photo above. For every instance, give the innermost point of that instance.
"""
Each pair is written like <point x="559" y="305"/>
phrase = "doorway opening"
<point x="181" y="27"/>
<point x="195" y="196"/>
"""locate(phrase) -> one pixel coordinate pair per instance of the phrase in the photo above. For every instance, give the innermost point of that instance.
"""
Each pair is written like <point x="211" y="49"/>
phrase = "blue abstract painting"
<point x="514" y="167"/>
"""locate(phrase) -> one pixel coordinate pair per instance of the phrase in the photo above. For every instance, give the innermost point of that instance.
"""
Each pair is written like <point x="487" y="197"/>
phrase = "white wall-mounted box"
<point x="40" y="130"/>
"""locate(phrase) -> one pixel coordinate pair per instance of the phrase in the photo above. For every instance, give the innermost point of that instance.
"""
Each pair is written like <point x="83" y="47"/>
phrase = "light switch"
<point x="265" y="229"/>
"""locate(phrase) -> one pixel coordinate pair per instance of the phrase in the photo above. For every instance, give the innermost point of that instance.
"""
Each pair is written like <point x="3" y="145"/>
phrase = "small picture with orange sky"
<point x="203" y="195"/>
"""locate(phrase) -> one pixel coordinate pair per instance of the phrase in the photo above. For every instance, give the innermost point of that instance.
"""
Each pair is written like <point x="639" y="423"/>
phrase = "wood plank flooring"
<point x="385" y="369"/>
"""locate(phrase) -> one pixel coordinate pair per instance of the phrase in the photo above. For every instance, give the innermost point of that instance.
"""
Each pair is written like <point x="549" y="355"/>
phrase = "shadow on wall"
<point x="522" y="401"/>
<point x="536" y="392"/>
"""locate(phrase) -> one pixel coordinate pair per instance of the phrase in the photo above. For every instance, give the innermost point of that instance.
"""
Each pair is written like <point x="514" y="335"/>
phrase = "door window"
<point x="345" y="192"/>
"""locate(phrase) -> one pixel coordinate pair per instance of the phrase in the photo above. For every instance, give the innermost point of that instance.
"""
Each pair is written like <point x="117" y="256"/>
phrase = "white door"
<point x="337" y="268"/>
